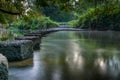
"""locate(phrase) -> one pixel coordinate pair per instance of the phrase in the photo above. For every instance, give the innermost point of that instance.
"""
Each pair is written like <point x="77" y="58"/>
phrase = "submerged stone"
<point x="17" y="50"/>
<point x="3" y="68"/>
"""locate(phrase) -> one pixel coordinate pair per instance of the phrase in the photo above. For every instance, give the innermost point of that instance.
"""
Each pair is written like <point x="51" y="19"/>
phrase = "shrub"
<point x="73" y="23"/>
<point x="101" y="18"/>
<point x="43" y="23"/>
<point x="36" y="23"/>
<point x="4" y="35"/>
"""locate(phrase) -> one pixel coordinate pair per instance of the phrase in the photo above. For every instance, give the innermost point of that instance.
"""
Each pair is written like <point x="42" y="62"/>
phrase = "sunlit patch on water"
<point x="74" y="57"/>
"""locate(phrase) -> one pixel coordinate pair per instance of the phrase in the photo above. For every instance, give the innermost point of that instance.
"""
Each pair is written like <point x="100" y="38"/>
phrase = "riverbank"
<point x="101" y="18"/>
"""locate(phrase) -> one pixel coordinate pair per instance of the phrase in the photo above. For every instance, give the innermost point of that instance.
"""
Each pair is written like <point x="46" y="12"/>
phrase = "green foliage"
<point x="42" y="23"/>
<point x="2" y="19"/>
<point x="36" y="23"/>
<point x="105" y="14"/>
<point x="73" y="23"/>
<point x="100" y="18"/>
<point x="56" y="14"/>
<point x="5" y="18"/>
<point x="4" y="35"/>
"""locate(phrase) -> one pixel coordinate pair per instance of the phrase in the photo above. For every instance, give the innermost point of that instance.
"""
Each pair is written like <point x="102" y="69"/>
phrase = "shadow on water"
<point x="72" y="56"/>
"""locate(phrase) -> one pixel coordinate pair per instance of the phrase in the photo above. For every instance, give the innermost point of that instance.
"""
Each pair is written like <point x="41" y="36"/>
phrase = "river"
<point x="80" y="55"/>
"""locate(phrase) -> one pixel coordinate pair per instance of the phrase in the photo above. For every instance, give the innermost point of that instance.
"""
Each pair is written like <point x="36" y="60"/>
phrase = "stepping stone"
<point x="42" y="32"/>
<point x="3" y="68"/>
<point x="36" y="40"/>
<point x="33" y="34"/>
<point x="17" y="50"/>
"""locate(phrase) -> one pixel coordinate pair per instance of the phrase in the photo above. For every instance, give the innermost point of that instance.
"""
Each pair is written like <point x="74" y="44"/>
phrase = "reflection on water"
<point x="72" y="56"/>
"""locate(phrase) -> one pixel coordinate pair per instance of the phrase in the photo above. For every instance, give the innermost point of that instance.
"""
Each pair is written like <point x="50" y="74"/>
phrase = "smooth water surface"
<point x="72" y="56"/>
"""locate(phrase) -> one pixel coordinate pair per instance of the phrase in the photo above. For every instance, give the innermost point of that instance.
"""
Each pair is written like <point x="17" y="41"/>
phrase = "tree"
<point x="56" y="14"/>
<point x="23" y="7"/>
<point x="11" y="9"/>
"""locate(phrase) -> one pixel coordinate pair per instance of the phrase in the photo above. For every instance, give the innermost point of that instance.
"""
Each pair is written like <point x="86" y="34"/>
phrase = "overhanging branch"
<point x="11" y="13"/>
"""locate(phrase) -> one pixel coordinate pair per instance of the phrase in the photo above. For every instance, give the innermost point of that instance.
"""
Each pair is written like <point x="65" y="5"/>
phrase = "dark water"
<point x="72" y="56"/>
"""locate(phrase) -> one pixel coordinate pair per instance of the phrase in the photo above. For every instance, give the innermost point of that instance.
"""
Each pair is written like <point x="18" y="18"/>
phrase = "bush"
<point x="43" y="23"/>
<point x="73" y="23"/>
<point x="36" y="23"/>
<point x="4" y="35"/>
<point x="101" y="18"/>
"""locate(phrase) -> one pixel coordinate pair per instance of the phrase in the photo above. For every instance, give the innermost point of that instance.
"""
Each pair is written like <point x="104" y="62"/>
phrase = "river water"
<point x="71" y="55"/>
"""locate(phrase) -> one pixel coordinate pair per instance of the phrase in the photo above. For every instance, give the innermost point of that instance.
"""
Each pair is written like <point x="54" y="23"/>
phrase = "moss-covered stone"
<point x="3" y="68"/>
<point x="17" y="50"/>
<point x="36" y="40"/>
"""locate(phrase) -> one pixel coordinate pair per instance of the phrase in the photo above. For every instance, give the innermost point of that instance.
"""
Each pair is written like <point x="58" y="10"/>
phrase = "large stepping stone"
<point x="17" y="50"/>
<point x="3" y="68"/>
<point x="36" y="40"/>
